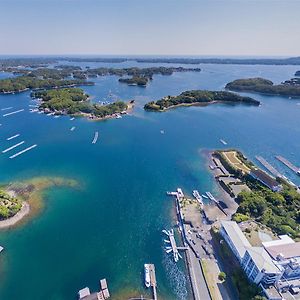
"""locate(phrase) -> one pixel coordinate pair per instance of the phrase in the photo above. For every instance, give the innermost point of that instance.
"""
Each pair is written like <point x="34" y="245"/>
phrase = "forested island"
<point x="23" y="83"/>
<point x="198" y="97"/>
<point x="67" y="76"/>
<point x="135" y="80"/>
<point x="73" y="101"/>
<point x="264" y="86"/>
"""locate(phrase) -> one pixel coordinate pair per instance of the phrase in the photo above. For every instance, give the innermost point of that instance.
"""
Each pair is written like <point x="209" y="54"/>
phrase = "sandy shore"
<point x="25" y="209"/>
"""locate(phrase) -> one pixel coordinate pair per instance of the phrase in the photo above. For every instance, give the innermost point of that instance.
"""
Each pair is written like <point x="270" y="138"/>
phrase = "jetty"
<point x="153" y="280"/>
<point x="95" y="137"/>
<point x="269" y="167"/>
<point x="13" y="112"/>
<point x="85" y="294"/>
<point x="288" y="164"/>
<point x="23" y="151"/>
<point x="13" y="137"/>
<point x="7" y="108"/>
<point x="172" y="246"/>
<point x="12" y="147"/>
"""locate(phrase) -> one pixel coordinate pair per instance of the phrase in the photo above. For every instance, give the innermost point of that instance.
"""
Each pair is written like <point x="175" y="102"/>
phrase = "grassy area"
<point x="209" y="279"/>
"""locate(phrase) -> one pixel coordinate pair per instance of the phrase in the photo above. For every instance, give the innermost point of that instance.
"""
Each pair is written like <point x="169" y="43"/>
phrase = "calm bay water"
<point x="112" y="225"/>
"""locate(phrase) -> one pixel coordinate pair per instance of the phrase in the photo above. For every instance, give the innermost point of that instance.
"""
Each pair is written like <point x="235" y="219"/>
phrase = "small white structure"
<point x="84" y="292"/>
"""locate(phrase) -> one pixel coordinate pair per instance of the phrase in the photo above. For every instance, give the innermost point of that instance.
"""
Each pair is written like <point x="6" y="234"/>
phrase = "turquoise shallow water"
<point x="112" y="225"/>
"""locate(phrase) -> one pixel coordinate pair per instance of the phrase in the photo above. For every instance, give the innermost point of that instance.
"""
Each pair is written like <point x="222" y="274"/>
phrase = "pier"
<point x="95" y="137"/>
<point x="13" y="112"/>
<point x="172" y="246"/>
<point x="153" y="280"/>
<point x="6" y="108"/>
<point x="269" y="167"/>
<point x="288" y="164"/>
<point x="23" y="151"/>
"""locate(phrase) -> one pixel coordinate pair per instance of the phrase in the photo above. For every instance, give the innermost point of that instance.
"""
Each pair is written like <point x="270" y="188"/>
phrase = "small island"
<point x="289" y="88"/>
<point x="74" y="101"/>
<point x="136" y="80"/>
<point x="198" y="97"/>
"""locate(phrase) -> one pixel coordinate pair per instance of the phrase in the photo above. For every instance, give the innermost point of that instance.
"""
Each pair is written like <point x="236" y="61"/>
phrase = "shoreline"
<point x="22" y="213"/>
<point x="199" y="104"/>
<point x="30" y="192"/>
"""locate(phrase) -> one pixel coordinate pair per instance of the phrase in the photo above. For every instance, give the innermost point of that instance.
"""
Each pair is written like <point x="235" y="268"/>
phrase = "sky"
<point x="150" y="27"/>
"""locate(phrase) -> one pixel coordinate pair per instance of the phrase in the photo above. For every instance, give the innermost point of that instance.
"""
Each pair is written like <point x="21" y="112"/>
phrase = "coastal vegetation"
<point x="280" y="211"/>
<point x="75" y="101"/>
<point x="198" y="97"/>
<point x="27" y="199"/>
<point x="264" y="86"/>
<point x="9" y="205"/>
<point x="23" y="83"/>
<point x="135" y="80"/>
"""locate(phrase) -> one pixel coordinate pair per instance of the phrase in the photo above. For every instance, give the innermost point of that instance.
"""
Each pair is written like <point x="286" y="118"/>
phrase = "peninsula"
<point x="74" y="101"/>
<point x="198" y="97"/>
<point x="260" y="85"/>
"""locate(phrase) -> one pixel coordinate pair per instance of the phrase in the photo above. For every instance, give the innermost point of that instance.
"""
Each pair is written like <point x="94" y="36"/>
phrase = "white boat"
<point x="198" y="197"/>
<point x="72" y="128"/>
<point x="223" y="142"/>
<point x="147" y="275"/>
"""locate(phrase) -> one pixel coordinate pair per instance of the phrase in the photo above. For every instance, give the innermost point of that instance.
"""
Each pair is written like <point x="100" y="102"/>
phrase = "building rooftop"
<point x="283" y="240"/>
<point x="262" y="259"/>
<point x="236" y="235"/>
<point x="264" y="177"/>
<point x="286" y="250"/>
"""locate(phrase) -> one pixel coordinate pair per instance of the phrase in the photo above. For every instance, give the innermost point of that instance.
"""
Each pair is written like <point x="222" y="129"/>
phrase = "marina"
<point x="95" y="137"/>
<point x="13" y="112"/>
<point x="13" y="137"/>
<point x="23" y="151"/>
<point x="288" y="164"/>
<point x="172" y="246"/>
<point x="13" y="147"/>
<point x="198" y="197"/>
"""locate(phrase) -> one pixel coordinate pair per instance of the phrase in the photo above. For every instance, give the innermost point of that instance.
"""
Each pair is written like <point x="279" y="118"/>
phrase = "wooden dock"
<point x="288" y="164"/>
<point x="153" y="280"/>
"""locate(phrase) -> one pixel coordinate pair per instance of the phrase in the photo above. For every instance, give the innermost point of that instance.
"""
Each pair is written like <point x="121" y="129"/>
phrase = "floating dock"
<point x="23" y="151"/>
<point x="13" y="112"/>
<point x="172" y="247"/>
<point x="13" y="137"/>
<point x="95" y="137"/>
<point x="12" y="147"/>
<point x="269" y="167"/>
<point x="288" y="164"/>
<point x="6" y="108"/>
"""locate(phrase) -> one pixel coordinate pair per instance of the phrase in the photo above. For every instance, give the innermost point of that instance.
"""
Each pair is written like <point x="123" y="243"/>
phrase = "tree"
<point x="222" y="276"/>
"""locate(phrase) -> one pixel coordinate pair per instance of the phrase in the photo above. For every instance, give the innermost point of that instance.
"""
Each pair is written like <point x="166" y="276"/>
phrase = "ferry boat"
<point x="147" y="275"/>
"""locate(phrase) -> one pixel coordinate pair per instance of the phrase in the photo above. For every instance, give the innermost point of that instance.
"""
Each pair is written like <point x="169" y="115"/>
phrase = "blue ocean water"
<point x="112" y="225"/>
